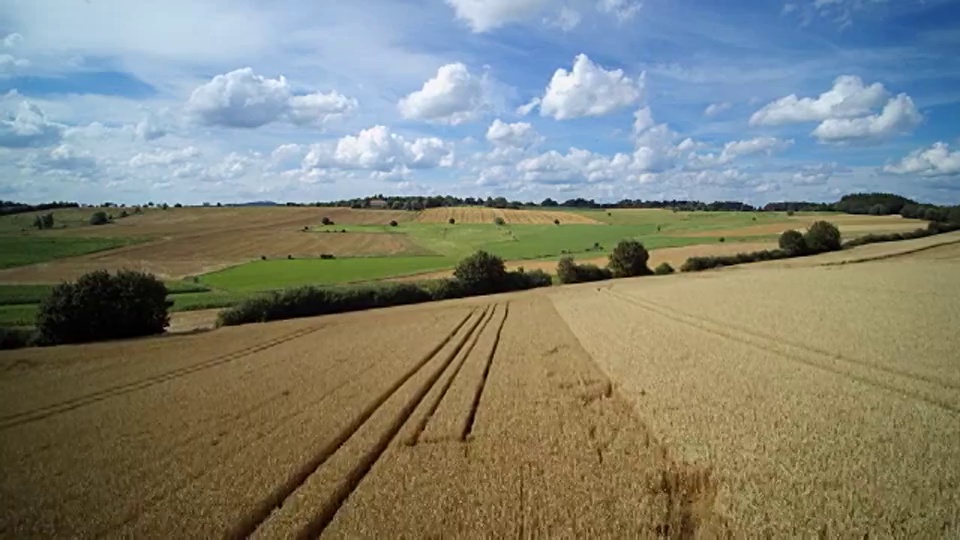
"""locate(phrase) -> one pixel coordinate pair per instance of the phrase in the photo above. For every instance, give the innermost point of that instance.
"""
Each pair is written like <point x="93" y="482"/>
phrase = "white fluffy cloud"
<point x="846" y="112"/>
<point x="899" y="115"/>
<point x="379" y="149"/>
<point x="937" y="160"/>
<point x="716" y="108"/>
<point x="454" y="96"/>
<point x="848" y="98"/>
<point x="485" y="15"/>
<point x="244" y="99"/>
<point x="588" y="90"/>
<point x="737" y="149"/>
<point x="29" y="127"/>
<point x="518" y="134"/>
<point x="12" y="40"/>
<point x="164" y="156"/>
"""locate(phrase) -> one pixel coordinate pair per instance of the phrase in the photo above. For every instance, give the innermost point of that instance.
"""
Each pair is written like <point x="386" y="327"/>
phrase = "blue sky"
<point x="187" y="101"/>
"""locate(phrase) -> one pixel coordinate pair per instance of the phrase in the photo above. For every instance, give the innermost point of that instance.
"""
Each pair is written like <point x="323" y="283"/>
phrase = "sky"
<point x="197" y="101"/>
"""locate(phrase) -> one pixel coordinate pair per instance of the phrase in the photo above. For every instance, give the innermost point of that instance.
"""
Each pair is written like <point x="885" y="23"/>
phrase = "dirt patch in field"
<point x="470" y="214"/>
<point x="194" y="241"/>
<point x="192" y="321"/>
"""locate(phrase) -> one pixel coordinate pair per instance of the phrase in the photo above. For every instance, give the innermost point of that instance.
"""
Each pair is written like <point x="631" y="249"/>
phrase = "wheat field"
<point x="753" y="401"/>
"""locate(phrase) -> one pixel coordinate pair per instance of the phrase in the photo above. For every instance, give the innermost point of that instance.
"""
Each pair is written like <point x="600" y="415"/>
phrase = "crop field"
<point x="760" y="401"/>
<point x="476" y="214"/>
<point x="236" y="252"/>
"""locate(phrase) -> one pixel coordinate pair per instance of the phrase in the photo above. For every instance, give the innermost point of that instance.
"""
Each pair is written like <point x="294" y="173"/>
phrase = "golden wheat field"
<point x="757" y="401"/>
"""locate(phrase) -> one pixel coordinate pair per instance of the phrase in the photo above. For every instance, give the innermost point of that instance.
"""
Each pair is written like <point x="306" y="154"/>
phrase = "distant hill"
<point x="256" y="203"/>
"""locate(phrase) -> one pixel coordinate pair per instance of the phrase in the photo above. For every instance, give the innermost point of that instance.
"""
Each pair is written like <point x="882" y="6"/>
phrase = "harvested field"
<point x="190" y="241"/>
<point x="850" y="226"/>
<point x="477" y="214"/>
<point x="825" y="399"/>
<point x="495" y="422"/>
<point x="756" y="401"/>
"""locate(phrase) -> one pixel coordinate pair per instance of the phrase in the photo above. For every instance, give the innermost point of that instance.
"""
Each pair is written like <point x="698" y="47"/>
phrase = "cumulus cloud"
<point x="937" y="160"/>
<point x="486" y="15"/>
<point x="379" y="149"/>
<point x="148" y="129"/>
<point x="588" y="90"/>
<point x="899" y="115"/>
<point x="576" y="166"/>
<point x="12" y="40"/>
<point x="737" y="149"/>
<point x="29" y="127"/>
<point x="454" y="96"/>
<point x="716" y="108"/>
<point x="164" y="156"/>
<point x="519" y="134"/>
<point x="848" y="98"/>
<point x="244" y="99"/>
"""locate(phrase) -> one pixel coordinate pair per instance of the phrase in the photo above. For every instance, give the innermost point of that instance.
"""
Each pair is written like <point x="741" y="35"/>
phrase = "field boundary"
<point x="891" y="255"/>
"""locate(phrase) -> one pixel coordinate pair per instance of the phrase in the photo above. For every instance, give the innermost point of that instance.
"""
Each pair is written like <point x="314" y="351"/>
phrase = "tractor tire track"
<point x="813" y="350"/>
<point x="346" y="486"/>
<point x="47" y="411"/>
<point x="774" y="347"/>
<point x="256" y="517"/>
<point x="472" y="417"/>
<point x="422" y="423"/>
<point x="226" y="459"/>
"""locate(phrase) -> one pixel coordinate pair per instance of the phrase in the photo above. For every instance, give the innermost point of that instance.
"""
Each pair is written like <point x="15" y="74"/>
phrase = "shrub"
<point x="556" y="222"/>
<point x="481" y="273"/>
<point x="178" y="205"/>
<point x="452" y="221"/>
<point x="520" y="280"/>
<point x="629" y="259"/>
<point x="393" y="223"/>
<point x="790" y="213"/>
<point x="263" y="257"/>
<point x="792" y="242"/>
<point x="102" y="306"/>
<point x="722" y="239"/>
<point x="326" y="221"/>
<point x="499" y="221"/>
<point x="124" y="214"/>
<point x="326" y="256"/>
<point x="570" y="272"/>
<point x="16" y="338"/>
<point x="99" y="218"/>
<point x="663" y="269"/>
<point x="822" y="236"/>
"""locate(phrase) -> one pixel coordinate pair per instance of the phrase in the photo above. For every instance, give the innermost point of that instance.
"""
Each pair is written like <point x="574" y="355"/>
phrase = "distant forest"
<point x="878" y="204"/>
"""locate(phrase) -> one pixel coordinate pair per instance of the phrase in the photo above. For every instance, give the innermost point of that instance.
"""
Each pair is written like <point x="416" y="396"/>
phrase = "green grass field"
<point x="277" y="274"/>
<point x="30" y="249"/>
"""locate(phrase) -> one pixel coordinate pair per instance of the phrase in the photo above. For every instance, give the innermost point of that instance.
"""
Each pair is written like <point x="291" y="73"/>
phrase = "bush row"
<point x="932" y="229"/>
<point x="628" y="259"/>
<point x="822" y="236"/>
<point x="481" y="273"/>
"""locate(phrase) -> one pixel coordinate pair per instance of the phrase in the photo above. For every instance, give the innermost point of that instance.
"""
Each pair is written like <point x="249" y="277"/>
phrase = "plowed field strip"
<point x="445" y="386"/>
<point x="33" y="415"/>
<point x="250" y="523"/>
<point x="782" y="349"/>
